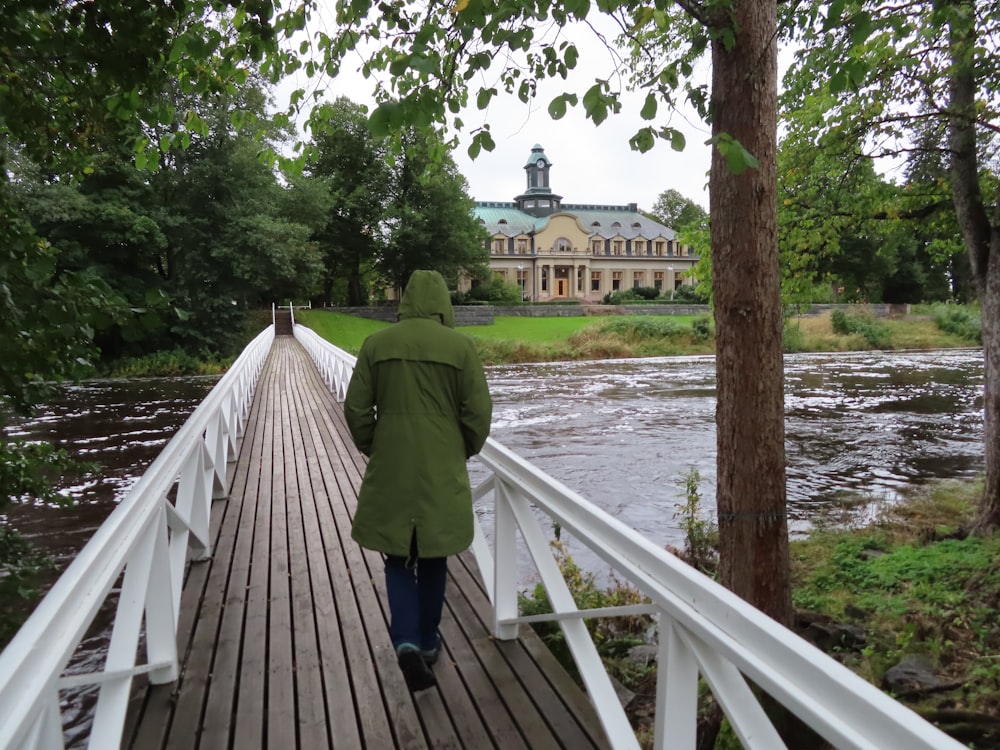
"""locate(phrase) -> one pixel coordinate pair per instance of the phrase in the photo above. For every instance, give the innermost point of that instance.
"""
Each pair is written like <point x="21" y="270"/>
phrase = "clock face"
<point x="540" y="163"/>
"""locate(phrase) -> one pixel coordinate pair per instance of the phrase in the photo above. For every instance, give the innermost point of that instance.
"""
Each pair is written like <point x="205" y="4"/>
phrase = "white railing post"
<point x="676" y="692"/>
<point x="504" y="567"/>
<point x="112" y="701"/>
<point x="162" y="611"/>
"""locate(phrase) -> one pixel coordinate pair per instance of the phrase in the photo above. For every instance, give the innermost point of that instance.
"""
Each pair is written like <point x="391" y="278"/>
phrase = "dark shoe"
<point x="417" y="674"/>
<point x="430" y="656"/>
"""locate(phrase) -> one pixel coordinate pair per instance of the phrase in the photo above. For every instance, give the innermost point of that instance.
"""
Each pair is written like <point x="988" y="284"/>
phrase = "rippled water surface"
<point x="624" y="433"/>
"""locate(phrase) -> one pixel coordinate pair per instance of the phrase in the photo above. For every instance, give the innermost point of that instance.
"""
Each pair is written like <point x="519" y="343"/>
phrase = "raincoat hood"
<point x="426" y="296"/>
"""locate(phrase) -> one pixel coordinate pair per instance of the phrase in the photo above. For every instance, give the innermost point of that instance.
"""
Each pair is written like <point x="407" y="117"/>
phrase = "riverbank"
<point x="908" y="601"/>
<point x="513" y="340"/>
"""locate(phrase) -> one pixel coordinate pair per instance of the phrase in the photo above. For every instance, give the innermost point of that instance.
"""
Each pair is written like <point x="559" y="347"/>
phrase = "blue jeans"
<point x="415" y="587"/>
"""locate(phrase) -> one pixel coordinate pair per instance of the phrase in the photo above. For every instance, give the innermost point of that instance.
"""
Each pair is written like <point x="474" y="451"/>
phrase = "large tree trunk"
<point x="753" y="527"/>
<point x="981" y="240"/>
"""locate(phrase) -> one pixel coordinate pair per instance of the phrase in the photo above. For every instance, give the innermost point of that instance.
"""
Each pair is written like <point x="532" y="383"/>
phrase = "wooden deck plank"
<point x="286" y="640"/>
<point x="251" y="688"/>
<point x="220" y="697"/>
<point x="308" y="601"/>
<point x="333" y="663"/>
<point x="280" y="705"/>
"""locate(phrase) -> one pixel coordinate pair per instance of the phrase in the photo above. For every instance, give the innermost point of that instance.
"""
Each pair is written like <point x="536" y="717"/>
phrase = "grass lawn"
<point x="346" y="331"/>
<point x="544" y="330"/>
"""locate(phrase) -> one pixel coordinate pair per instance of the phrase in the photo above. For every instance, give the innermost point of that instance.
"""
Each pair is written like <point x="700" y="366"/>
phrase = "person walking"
<point x="418" y="406"/>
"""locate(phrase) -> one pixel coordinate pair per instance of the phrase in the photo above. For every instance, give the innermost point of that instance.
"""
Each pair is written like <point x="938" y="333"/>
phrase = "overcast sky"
<point x="590" y="164"/>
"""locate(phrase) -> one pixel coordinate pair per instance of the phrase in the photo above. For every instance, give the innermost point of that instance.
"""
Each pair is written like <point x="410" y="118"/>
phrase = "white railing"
<point x="334" y="364"/>
<point x="704" y="629"/>
<point x="147" y="538"/>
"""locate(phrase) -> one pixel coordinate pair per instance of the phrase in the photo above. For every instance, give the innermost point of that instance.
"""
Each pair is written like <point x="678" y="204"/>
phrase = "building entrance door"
<point x="560" y="287"/>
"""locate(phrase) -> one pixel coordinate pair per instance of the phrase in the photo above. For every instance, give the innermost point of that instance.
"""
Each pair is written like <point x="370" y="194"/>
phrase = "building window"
<point x="638" y="279"/>
<point x="598" y="246"/>
<point x="499" y="246"/>
<point x="618" y="247"/>
<point x="616" y="280"/>
<point x="500" y="273"/>
<point x="543" y="204"/>
<point x="658" y="277"/>
<point x="545" y="280"/>
<point x="529" y="204"/>
<point x="595" y="281"/>
<point x="522" y="247"/>
<point x="638" y="247"/>
<point x="563" y="246"/>
<point x="670" y="247"/>
<point x="659" y="248"/>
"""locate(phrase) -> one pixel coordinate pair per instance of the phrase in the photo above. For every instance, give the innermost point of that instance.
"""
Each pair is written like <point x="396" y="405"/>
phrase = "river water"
<point x="860" y="429"/>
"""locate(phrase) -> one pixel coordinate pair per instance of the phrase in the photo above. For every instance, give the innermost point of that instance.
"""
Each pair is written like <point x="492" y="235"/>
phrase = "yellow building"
<point x="557" y="250"/>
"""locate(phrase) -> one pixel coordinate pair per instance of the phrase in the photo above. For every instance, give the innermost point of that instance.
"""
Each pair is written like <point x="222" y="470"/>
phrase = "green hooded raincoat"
<point x="418" y="406"/>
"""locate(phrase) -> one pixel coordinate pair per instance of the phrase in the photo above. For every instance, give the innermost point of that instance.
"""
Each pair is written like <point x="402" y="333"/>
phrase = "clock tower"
<point x="538" y="198"/>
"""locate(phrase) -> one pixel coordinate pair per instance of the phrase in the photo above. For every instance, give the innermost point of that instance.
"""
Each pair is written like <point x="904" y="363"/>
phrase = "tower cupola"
<point x="538" y="198"/>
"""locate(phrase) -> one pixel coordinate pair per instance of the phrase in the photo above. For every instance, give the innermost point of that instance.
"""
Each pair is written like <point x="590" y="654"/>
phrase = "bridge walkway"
<point x="283" y="632"/>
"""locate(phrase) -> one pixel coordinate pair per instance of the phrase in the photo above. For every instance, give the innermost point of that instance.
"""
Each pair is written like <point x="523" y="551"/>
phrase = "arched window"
<point x="563" y="245"/>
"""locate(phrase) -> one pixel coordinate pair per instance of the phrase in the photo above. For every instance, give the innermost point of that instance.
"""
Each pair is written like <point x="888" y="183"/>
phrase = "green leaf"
<point x="862" y="28"/>
<point x="838" y="81"/>
<point x="484" y="97"/>
<point x="649" y="107"/>
<point x="643" y="140"/>
<point x="677" y="139"/>
<point x="557" y="107"/>
<point x="738" y="159"/>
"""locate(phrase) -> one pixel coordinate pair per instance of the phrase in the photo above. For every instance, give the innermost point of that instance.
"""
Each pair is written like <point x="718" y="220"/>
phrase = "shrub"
<point x="496" y="290"/>
<point x="702" y="328"/>
<point x="629" y="296"/>
<point x="792" y="339"/>
<point x="646" y="292"/>
<point x="876" y="334"/>
<point x="688" y="293"/>
<point x="640" y="328"/>
<point x="960" y="321"/>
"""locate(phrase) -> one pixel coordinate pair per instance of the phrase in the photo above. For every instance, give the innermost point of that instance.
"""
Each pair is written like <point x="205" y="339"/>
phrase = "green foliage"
<point x="676" y="211"/>
<point x="27" y="471"/>
<point x="635" y="295"/>
<point x="20" y="565"/>
<point x="167" y="364"/>
<point x="701" y="535"/>
<point x="877" y="335"/>
<point x="632" y="328"/>
<point x="703" y="327"/>
<point x="495" y="290"/>
<point x="961" y="321"/>
<point x="792" y="339"/>
<point x="612" y="636"/>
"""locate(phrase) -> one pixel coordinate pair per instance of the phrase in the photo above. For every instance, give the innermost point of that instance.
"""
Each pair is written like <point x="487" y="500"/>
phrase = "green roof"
<point x="600" y="221"/>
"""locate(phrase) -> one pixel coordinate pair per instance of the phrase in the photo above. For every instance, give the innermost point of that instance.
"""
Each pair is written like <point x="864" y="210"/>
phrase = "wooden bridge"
<point x="283" y="633"/>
